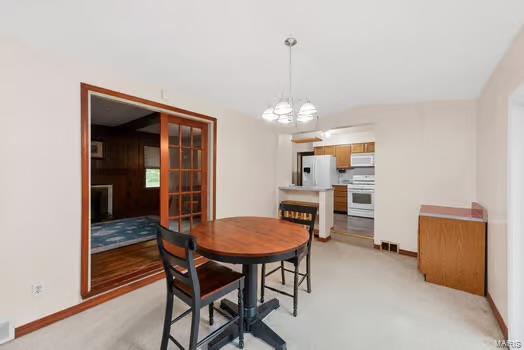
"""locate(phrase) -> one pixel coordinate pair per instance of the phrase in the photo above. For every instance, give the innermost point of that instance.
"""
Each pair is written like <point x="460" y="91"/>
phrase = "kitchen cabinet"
<point x="329" y="151"/>
<point x="452" y="247"/>
<point x="343" y="152"/>
<point x="368" y="147"/>
<point x="325" y="151"/>
<point x="357" y="148"/>
<point x="340" y="198"/>
<point x="343" y="155"/>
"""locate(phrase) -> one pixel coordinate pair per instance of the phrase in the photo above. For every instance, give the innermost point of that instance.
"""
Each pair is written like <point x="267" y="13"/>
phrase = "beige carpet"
<point x="362" y="299"/>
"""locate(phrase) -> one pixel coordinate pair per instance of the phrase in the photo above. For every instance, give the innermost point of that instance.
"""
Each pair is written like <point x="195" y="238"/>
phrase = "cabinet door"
<point x="340" y="199"/>
<point x="319" y="151"/>
<point x="342" y="153"/>
<point x="370" y="147"/>
<point x="329" y="150"/>
<point x="357" y="148"/>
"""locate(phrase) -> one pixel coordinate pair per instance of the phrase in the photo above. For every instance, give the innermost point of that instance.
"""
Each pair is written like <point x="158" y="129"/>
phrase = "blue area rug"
<point x="119" y="233"/>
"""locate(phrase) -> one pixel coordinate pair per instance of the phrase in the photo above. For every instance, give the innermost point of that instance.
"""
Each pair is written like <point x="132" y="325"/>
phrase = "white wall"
<point x="425" y="154"/>
<point x="40" y="207"/>
<point x="492" y="138"/>
<point x="515" y="218"/>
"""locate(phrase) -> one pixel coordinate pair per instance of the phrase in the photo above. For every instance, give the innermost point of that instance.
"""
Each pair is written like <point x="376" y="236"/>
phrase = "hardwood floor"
<point x="116" y="266"/>
<point x="354" y="225"/>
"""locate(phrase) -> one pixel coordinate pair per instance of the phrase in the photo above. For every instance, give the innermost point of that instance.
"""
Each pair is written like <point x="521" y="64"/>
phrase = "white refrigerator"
<point x="319" y="171"/>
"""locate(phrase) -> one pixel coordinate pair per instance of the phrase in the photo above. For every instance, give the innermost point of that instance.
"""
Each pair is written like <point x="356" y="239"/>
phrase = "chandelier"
<point x="285" y="111"/>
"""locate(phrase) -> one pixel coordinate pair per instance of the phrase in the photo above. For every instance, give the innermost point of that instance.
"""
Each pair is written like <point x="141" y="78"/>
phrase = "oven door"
<point x="361" y="199"/>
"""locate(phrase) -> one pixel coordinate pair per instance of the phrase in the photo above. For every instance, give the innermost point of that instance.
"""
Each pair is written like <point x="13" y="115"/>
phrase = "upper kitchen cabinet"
<point x="363" y="147"/>
<point x="329" y="151"/>
<point x="357" y="148"/>
<point x="342" y="153"/>
<point x="325" y="151"/>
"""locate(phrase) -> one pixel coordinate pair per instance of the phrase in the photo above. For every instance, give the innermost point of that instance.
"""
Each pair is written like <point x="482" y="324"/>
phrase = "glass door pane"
<point x="184" y="174"/>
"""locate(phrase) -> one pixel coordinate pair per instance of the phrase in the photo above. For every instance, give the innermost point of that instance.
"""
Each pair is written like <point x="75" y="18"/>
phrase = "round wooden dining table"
<point x="250" y="241"/>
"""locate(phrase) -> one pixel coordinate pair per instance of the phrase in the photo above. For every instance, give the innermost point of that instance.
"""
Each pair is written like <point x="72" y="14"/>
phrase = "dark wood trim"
<point x="498" y="316"/>
<point x="164" y="164"/>
<point x="145" y="102"/>
<point x="408" y="253"/>
<point x="84" y="121"/>
<point x="214" y="170"/>
<point x="87" y="304"/>
<point x="85" y="90"/>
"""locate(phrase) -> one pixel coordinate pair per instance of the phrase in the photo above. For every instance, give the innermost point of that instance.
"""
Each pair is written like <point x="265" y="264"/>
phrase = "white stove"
<point x="361" y="196"/>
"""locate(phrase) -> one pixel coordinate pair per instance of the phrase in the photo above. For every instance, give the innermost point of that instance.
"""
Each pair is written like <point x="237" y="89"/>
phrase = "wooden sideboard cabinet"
<point x="452" y="247"/>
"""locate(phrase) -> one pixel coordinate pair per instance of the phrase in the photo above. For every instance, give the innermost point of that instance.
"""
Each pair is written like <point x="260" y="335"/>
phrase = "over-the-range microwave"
<point x="363" y="159"/>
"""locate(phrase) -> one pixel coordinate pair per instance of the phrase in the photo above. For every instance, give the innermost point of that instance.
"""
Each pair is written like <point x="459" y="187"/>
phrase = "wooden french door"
<point x="183" y="173"/>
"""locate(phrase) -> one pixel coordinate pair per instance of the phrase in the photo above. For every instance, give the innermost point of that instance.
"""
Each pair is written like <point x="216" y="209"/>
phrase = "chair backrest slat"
<point x="299" y="214"/>
<point x="177" y="252"/>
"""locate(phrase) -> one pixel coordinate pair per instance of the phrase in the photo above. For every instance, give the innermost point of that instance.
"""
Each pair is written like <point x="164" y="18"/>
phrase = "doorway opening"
<point x="125" y="191"/>
<point x="143" y="163"/>
<point x="353" y="151"/>
<point x="515" y="191"/>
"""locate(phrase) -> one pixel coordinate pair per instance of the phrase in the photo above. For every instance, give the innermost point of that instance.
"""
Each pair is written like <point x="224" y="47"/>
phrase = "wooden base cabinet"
<point x="341" y="199"/>
<point x="452" y="253"/>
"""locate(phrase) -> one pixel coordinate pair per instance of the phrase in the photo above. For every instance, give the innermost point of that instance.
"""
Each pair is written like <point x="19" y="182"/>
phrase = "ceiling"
<point x="113" y="113"/>
<point x="231" y="52"/>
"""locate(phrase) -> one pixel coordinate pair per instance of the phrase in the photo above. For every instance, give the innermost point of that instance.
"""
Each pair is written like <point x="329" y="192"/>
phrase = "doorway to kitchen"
<point x="351" y="155"/>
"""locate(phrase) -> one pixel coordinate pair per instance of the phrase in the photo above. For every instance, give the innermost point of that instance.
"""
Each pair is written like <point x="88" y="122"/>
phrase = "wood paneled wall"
<point x="123" y="167"/>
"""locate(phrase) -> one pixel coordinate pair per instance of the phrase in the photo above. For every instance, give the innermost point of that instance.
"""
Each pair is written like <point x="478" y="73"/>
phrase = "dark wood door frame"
<point x="85" y="92"/>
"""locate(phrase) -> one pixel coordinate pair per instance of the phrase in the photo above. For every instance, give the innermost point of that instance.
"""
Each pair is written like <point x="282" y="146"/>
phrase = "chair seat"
<point x="212" y="277"/>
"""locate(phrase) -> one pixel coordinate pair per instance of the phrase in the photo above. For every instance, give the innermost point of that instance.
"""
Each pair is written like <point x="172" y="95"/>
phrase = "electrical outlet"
<point x="38" y="289"/>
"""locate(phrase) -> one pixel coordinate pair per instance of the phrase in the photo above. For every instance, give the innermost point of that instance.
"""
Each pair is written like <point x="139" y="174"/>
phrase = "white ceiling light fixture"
<point x="269" y="115"/>
<point x="285" y="111"/>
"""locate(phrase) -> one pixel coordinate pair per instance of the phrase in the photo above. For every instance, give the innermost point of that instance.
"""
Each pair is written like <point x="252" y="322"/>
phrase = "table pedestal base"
<point x="252" y="324"/>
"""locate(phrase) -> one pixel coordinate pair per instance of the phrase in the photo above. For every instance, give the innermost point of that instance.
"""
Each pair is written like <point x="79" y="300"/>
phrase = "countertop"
<point x="305" y="188"/>
<point x="475" y="213"/>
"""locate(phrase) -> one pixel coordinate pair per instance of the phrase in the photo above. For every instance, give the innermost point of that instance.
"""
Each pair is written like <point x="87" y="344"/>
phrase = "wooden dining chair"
<point x="300" y="214"/>
<point x="195" y="286"/>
